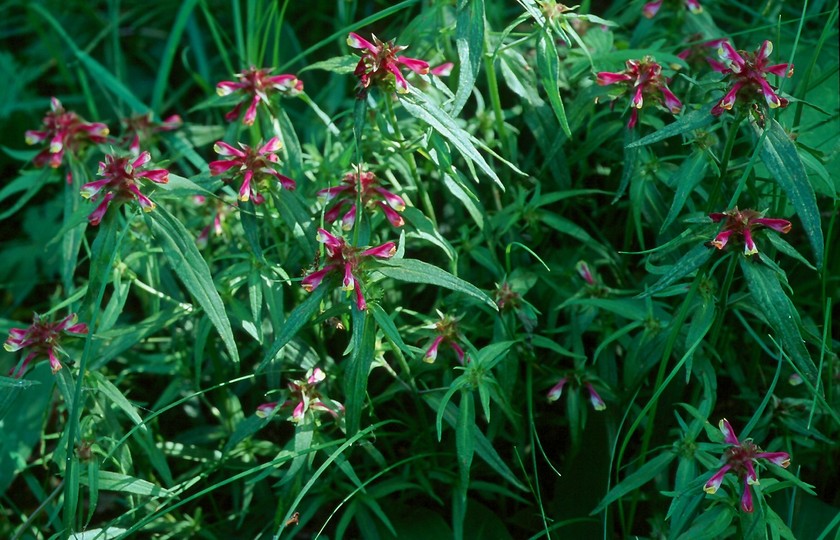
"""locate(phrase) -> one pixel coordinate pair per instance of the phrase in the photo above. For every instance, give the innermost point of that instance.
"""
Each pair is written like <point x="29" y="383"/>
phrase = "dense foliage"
<point x="419" y="269"/>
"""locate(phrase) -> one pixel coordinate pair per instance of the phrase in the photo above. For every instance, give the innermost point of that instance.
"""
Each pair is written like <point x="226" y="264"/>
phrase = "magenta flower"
<point x="507" y="298"/>
<point x="347" y="261"/>
<point x="740" y="458"/>
<point x="304" y="397"/>
<point x="66" y="132"/>
<point x="443" y="70"/>
<point x="585" y="273"/>
<point x="742" y="223"/>
<point x="141" y="127"/>
<point x="220" y="211"/>
<point x="121" y="183"/>
<point x="748" y="73"/>
<point x="364" y="187"/>
<point x="253" y="165"/>
<point x="595" y="399"/>
<point x="380" y="64"/>
<point x="645" y="80"/>
<point x="447" y="332"/>
<point x="258" y="85"/>
<point x="42" y="339"/>
<point x="652" y="8"/>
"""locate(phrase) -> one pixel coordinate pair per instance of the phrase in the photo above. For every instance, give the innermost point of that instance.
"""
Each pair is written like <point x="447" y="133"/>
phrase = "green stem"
<point x="724" y="163"/>
<point x="722" y="302"/>
<point x="676" y="326"/>
<point x="71" y="489"/>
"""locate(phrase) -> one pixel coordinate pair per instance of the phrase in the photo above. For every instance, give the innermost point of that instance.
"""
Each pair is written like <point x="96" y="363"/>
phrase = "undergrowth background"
<point x="542" y="342"/>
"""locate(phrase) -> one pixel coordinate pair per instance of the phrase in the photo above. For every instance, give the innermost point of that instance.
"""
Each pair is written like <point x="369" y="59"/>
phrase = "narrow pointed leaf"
<point x="414" y="271"/>
<point x="779" y="154"/>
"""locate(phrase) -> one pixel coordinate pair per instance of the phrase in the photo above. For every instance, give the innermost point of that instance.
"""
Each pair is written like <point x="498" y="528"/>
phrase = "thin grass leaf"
<point x="685" y="124"/>
<point x="165" y="58"/>
<point x="687" y="177"/>
<point x="689" y="262"/>
<point x="645" y="474"/>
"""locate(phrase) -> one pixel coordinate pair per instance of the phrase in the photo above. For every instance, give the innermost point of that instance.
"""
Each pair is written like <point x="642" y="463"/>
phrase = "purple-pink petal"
<point x="715" y="481"/>
<point x="557" y="390"/>
<point x="358" y="42"/>
<point x="782" y="459"/>
<point x="417" y="66"/>
<point x="746" y="498"/>
<point x="780" y="225"/>
<point x="728" y="432"/>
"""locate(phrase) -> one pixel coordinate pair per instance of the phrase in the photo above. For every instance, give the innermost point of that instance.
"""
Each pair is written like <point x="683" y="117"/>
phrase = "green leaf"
<point x="357" y="368"/>
<point x="117" y="398"/>
<point x="414" y="271"/>
<point x="469" y="40"/>
<point x="103" y="253"/>
<point x="689" y="262"/>
<point x="420" y="107"/>
<point x="548" y="66"/>
<point x="689" y="122"/>
<point x="164" y="58"/>
<point x="343" y="65"/>
<point x="778" y="310"/>
<point x="388" y="327"/>
<point x="710" y="524"/>
<point x="642" y="476"/>
<point x="686" y="178"/>
<point x="112" y="481"/>
<point x="191" y="268"/>
<point x="779" y="154"/>
<point x="483" y="447"/>
<point x="296" y="320"/>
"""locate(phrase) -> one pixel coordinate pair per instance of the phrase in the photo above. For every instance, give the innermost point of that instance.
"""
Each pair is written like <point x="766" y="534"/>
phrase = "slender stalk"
<point x="732" y="136"/>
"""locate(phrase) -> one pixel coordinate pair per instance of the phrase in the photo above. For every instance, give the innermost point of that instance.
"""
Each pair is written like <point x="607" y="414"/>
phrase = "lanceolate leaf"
<point x="469" y="39"/>
<point x="357" y="368"/>
<point x="779" y="155"/>
<point x="690" y="262"/>
<point x="191" y="268"/>
<point x="636" y="480"/>
<point x="548" y="65"/>
<point x="414" y="271"/>
<point x="687" y="177"/>
<point x="296" y="320"/>
<point x="782" y="317"/>
<point x="421" y="108"/>
<point x="689" y="122"/>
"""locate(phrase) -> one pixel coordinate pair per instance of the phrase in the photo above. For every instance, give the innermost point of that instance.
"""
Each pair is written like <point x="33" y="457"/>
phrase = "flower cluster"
<point x="652" y="8"/>
<point x="304" y="397"/>
<point x="740" y="458"/>
<point x="221" y="209"/>
<point x="253" y="165"/>
<point x="447" y="332"/>
<point x="42" y="339"/>
<point x="748" y="73"/>
<point x="258" y="85"/>
<point x="121" y="182"/>
<point x="645" y="80"/>
<point x="364" y="187"/>
<point x="347" y="261"/>
<point x="594" y="398"/>
<point x="141" y="127"/>
<point x="66" y="132"/>
<point x="380" y="64"/>
<point x="741" y="223"/>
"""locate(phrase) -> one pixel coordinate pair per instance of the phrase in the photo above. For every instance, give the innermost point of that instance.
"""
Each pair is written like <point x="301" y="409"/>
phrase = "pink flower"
<point x="577" y="380"/>
<point x="252" y="165"/>
<point x="644" y="79"/>
<point x="742" y="223"/>
<point x="304" y="397"/>
<point x="447" y="332"/>
<point x="364" y="187"/>
<point x="42" y="339"/>
<point x="507" y="298"/>
<point x="652" y="8"/>
<point x="380" y="64"/>
<point x="257" y="85"/>
<point x="347" y="261"/>
<point x="443" y="70"/>
<point x="741" y="458"/>
<point x="121" y="183"/>
<point x="66" y="132"/>
<point x="141" y="127"/>
<point x="748" y="75"/>
<point x="220" y="211"/>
